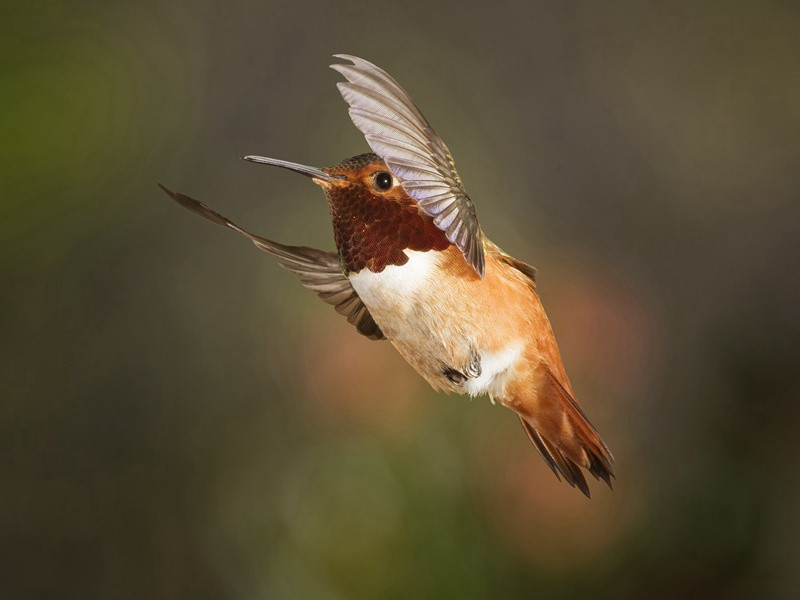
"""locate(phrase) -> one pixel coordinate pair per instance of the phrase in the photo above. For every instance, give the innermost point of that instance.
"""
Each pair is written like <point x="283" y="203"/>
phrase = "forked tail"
<point x="561" y="432"/>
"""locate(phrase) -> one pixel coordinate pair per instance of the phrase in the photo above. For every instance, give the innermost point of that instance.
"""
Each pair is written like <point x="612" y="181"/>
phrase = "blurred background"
<point x="181" y="419"/>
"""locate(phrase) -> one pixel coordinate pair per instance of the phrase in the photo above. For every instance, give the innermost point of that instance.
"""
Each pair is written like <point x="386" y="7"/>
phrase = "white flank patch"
<point x="495" y="368"/>
<point x="395" y="287"/>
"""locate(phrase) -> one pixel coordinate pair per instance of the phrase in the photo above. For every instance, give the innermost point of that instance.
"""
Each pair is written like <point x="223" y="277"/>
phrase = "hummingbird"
<point x="412" y="266"/>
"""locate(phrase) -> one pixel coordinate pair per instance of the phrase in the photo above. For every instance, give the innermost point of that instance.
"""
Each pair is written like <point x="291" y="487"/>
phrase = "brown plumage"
<point x="371" y="232"/>
<point x="456" y="313"/>
<point x="414" y="267"/>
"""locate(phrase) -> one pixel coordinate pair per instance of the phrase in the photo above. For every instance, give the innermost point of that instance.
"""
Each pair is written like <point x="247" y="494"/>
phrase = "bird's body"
<point x="412" y="266"/>
<point x="429" y="303"/>
<point x="435" y="314"/>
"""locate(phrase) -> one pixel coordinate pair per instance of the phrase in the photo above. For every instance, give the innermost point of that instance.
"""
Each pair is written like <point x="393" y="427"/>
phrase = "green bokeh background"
<point x="180" y="419"/>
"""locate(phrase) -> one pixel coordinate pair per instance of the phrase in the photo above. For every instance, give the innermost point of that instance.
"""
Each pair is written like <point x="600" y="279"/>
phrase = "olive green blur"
<point x="181" y="419"/>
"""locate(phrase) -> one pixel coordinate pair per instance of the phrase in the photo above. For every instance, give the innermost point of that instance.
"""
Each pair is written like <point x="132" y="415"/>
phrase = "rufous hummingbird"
<point x="413" y="267"/>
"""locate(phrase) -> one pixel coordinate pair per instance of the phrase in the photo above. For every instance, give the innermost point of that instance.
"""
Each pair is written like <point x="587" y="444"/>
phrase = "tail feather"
<point x="562" y="434"/>
<point x="600" y="471"/>
<point x="544" y="450"/>
<point x="555" y="459"/>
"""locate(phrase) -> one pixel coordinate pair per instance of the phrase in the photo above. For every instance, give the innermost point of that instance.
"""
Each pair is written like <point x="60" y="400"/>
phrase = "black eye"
<point x="383" y="180"/>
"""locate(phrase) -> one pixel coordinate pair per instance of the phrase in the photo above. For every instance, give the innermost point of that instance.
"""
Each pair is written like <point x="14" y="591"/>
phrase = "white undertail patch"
<point x="495" y="369"/>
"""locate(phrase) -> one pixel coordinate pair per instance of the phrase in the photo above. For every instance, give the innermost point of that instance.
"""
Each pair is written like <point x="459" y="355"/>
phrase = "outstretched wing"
<point x="397" y="131"/>
<point x="318" y="270"/>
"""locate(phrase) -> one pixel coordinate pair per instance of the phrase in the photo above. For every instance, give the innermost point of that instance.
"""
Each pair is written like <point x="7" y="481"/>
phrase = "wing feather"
<point x="319" y="271"/>
<point x="397" y="131"/>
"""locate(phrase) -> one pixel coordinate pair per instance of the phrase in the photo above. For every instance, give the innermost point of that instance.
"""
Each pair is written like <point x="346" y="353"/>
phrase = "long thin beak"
<point x="312" y="172"/>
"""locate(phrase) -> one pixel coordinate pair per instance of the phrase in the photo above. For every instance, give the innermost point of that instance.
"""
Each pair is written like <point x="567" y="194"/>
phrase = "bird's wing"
<point x="397" y="131"/>
<point x="318" y="270"/>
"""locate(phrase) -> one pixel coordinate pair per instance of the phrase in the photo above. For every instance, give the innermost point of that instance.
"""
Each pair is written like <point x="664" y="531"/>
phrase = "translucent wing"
<point x="397" y="131"/>
<point x="318" y="270"/>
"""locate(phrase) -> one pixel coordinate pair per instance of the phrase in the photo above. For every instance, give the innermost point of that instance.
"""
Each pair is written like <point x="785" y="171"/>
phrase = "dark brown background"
<point x="180" y="419"/>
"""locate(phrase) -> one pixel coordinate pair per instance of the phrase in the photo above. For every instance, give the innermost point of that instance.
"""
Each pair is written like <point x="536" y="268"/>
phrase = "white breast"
<point x="395" y="288"/>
